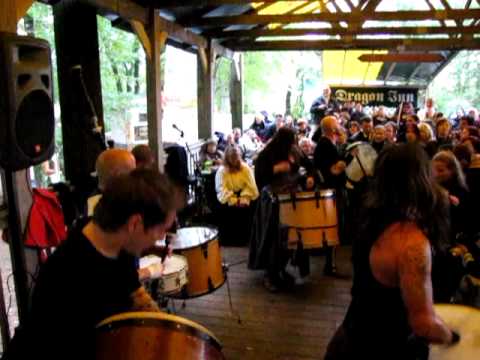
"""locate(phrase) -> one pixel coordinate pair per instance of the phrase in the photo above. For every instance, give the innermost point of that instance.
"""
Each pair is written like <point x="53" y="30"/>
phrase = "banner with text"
<point x="375" y="96"/>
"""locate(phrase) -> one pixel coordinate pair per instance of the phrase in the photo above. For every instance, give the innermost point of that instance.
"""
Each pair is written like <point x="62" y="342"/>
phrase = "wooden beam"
<point x="126" y="9"/>
<point x="22" y="8"/>
<point x="179" y="33"/>
<point x="132" y="11"/>
<point x="142" y="36"/>
<point x="383" y="44"/>
<point x="8" y="16"/>
<point x="403" y="57"/>
<point x="410" y="30"/>
<point x="193" y="3"/>
<point x="414" y="15"/>
<point x="205" y="94"/>
<point x="236" y="91"/>
<point x="154" y="88"/>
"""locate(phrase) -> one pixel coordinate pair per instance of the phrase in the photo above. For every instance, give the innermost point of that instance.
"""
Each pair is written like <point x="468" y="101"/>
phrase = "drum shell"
<point x="205" y="266"/>
<point x="311" y="218"/>
<point x="154" y="336"/>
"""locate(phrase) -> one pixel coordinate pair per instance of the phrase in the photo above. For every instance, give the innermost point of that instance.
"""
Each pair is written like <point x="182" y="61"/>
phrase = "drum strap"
<point x="361" y="165"/>
<point x="317" y="199"/>
<point x="294" y="200"/>
<point x="298" y="229"/>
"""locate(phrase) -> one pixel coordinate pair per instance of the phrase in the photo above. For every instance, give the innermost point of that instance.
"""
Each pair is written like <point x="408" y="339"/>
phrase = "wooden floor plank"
<point x="284" y="326"/>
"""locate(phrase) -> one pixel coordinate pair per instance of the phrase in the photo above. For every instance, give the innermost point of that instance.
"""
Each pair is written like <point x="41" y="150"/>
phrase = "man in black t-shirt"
<point x="92" y="275"/>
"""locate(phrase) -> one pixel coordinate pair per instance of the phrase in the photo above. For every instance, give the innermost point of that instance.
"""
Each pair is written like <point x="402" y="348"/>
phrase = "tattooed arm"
<point x="415" y="265"/>
<point x="142" y="301"/>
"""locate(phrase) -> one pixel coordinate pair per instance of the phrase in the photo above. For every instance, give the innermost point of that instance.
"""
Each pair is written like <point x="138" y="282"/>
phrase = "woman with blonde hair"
<point x="236" y="189"/>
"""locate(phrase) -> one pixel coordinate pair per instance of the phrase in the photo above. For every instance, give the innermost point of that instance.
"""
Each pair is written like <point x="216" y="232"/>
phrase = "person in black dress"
<point x="391" y="314"/>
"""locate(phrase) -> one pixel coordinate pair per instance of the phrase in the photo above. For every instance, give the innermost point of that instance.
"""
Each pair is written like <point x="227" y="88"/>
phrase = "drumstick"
<point x="165" y="251"/>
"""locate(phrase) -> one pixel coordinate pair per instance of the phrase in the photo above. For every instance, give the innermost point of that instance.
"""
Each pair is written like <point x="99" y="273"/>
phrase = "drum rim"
<point x="135" y="317"/>
<point x="307" y="195"/>
<point x="454" y="306"/>
<point x="196" y="246"/>
<point x="181" y="296"/>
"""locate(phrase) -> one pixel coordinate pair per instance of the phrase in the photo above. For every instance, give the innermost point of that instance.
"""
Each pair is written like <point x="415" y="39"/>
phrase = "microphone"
<point x="176" y="128"/>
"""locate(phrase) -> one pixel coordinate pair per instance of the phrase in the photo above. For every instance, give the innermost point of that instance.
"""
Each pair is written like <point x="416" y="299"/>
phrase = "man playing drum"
<point x="332" y="167"/>
<point x="92" y="275"/>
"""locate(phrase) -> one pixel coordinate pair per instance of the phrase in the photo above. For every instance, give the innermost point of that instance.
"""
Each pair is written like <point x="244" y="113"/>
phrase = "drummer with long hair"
<point x="391" y="315"/>
<point x="276" y="171"/>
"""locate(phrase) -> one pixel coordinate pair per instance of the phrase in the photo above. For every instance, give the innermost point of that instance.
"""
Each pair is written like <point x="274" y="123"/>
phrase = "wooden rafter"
<point x="174" y="3"/>
<point x="418" y="57"/>
<point x="413" y="15"/>
<point x="130" y="11"/>
<point x="411" y="30"/>
<point x="381" y="44"/>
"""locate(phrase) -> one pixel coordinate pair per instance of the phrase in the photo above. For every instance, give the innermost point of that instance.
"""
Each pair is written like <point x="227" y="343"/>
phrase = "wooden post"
<point x="236" y="91"/>
<point x="205" y="90"/>
<point x="18" y="197"/>
<point x="154" y="88"/>
<point x="81" y="145"/>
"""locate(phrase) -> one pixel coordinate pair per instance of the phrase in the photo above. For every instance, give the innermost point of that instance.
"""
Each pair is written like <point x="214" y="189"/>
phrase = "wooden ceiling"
<point x="396" y="26"/>
<point x="330" y="24"/>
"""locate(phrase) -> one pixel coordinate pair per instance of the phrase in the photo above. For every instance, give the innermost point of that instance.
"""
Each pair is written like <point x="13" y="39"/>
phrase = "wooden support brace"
<point x="142" y="35"/>
<point x="157" y="39"/>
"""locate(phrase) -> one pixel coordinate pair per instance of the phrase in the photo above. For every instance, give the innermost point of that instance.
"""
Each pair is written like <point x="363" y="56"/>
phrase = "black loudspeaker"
<point x="27" y="120"/>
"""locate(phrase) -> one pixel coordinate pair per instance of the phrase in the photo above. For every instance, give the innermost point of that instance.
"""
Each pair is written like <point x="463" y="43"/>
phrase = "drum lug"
<point x="210" y="285"/>
<point x="205" y="250"/>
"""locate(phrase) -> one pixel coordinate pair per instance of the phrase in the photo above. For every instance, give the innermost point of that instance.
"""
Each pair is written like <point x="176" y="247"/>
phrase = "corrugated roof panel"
<point x="344" y="66"/>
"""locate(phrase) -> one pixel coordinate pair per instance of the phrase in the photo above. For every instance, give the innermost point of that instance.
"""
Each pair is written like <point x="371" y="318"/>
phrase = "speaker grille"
<point x="34" y="127"/>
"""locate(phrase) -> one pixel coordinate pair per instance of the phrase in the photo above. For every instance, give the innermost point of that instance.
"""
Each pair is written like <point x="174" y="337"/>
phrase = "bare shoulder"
<point x="415" y="253"/>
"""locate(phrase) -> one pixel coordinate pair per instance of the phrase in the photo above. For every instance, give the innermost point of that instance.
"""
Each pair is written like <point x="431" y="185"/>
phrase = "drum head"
<point x="466" y="322"/>
<point x="363" y="164"/>
<point x="148" y="260"/>
<point x="190" y="237"/>
<point x="174" y="264"/>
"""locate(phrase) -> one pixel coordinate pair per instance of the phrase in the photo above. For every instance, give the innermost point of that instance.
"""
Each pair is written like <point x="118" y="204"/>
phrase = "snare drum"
<point x="311" y="218"/>
<point x="466" y="322"/>
<point x="173" y="278"/>
<point x="200" y="246"/>
<point x="152" y="336"/>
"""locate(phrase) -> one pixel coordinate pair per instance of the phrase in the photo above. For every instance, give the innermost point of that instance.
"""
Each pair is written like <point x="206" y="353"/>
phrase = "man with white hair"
<point x="328" y="161"/>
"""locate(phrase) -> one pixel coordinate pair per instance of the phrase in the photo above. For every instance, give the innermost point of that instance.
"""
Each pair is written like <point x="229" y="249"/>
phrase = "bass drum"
<point x="154" y="336"/>
<point x="466" y="322"/>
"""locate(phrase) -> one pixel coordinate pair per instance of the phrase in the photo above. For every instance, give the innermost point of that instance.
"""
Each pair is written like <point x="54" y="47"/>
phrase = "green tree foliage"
<point x="222" y="85"/>
<point x="283" y="74"/>
<point x="457" y="87"/>
<point x="122" y="71"/>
